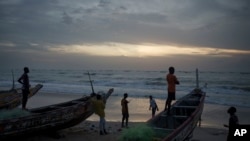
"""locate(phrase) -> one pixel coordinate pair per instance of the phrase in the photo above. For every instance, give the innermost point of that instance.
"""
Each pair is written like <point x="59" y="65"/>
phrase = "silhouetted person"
<point x="233" y="122"/>
<point x="153" y="105"/>
<point x="24" y="80"/>
<point x="99" y="107"/>
<point x="125" y="113"/>
<point x="171" y="81"/>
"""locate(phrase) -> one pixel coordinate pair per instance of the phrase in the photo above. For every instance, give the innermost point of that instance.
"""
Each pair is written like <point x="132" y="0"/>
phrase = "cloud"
<point x="126" y="28"/>
<point x="67" y="19"/>
<point x="195" y="23"/>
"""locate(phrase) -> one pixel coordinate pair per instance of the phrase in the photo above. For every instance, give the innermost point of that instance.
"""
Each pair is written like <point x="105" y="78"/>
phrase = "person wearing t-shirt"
<point x="171" y="82"/>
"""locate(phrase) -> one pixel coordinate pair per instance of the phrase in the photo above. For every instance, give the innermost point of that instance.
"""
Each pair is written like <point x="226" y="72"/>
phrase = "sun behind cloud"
<point x="142" y="50"/>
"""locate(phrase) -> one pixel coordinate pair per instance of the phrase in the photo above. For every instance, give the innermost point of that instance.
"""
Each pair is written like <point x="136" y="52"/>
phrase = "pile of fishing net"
<point x="15" y="113"/>
<point x="139" y="133"/>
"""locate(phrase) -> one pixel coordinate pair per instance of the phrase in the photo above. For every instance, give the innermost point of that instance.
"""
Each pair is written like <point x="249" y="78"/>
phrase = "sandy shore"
<point x="213" y="118"/>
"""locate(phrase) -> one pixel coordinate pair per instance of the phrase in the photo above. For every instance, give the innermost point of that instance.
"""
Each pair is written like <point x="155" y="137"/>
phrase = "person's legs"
<point x="102" y="126"/>
<point x="153" y="111"/>
<point x="25" y="98"/>
<point x="169" y="105"/>
<point x="127" y="116"/>
<point x="168" y="100"/>
<point x="171" y="96"/>
<point x="123" y="118"/>
<point x="166" y="104"/>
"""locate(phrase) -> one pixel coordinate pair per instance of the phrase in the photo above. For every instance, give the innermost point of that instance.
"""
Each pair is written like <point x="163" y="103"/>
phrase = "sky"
<point x="209" y="35"/>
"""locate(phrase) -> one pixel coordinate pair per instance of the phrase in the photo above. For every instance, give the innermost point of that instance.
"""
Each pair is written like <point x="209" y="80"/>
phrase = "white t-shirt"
<point x="152" y="103"/>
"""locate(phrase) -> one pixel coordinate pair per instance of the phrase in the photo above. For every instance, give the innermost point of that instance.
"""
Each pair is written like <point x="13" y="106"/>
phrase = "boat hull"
<point x="184" y="117"/>
<point x="49" y="118"/>
<point x="13" y="98"/>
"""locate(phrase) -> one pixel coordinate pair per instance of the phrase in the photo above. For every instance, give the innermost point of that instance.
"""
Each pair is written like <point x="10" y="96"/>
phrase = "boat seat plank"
<point x="178" y="116"/>
<point x="185" y="106"/>
<point x="165" y="129"/>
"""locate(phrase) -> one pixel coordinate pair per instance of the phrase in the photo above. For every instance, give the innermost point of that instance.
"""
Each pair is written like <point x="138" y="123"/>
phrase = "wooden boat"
<point x="185" y="114"/>
<point x="13" y="98"/>
<point x="49" y="118"/>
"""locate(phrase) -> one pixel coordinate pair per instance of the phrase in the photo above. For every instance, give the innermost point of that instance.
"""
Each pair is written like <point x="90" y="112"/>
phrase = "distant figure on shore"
<point x="24" y="80"/>
<point x="171" y="81"/>
<point x="125" y="113"/>
<point x="232" y="123"/>
<point x="153" y="105"/>
<point x="99" y="107"/>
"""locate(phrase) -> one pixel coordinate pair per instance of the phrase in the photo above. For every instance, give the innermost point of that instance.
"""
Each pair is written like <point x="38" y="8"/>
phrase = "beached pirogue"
<point x="13" y="98"/>
<point x="185" y="114"/>
<point x="49" y="118"/>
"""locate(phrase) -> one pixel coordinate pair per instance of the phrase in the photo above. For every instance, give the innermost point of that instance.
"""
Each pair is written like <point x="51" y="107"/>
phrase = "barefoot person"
<point x="171" y="82"/>
<point x="153" y="105"/>
<point x="99" y="107"/>
<point x="125" y="114"/>
<point x="232" y="123"/>
<point x="24" y="80"/>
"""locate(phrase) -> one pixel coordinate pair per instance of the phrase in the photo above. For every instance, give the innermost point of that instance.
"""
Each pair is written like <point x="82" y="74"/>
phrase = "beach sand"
<point x="213" y="118"/>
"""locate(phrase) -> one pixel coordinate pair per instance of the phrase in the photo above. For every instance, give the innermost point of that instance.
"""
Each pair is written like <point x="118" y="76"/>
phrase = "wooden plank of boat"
<point x="13" y="98"/>
<point x="50" y="118"/>
<point x="185" y="114"/>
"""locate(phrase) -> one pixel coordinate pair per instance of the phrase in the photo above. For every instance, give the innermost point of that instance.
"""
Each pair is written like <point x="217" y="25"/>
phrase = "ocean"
<point x="225" y="88"/>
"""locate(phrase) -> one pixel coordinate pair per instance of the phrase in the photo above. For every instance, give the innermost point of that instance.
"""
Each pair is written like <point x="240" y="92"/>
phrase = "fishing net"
<point x="15" y="113"/>
<point x="139" y="133"/>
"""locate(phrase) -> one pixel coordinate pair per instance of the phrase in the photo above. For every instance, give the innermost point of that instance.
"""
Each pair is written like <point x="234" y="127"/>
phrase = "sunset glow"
<point x="146" y="50"/>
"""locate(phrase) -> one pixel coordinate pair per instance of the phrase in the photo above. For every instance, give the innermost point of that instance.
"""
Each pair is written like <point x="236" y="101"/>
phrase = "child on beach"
<point x="125" y="113"/>
<point x="233" y="122"/>
<point x="99" y="107"/>
<point x="171" y="81"/>
<point x="153" y="106"/>
<point x="24" y="80"/>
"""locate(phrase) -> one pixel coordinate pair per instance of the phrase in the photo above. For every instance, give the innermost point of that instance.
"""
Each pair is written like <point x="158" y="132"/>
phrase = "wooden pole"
<point x="91" y="84"/>
<point x="13" y="80"/>
<point x="197" y="78"/>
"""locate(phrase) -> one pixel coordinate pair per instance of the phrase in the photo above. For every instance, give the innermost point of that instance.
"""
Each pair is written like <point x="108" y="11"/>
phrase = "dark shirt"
<point x="233" y="122"/>
<point x="124" y="104"/>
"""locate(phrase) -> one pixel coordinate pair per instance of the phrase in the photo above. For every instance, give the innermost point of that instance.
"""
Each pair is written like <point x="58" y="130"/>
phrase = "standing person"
<point x="153" y="106"/>
<point x="99" y="107"/>
<point x="125" y="114"/>
<point x="24" y="80"/>
<point x="233" y="122"/>
<point x="171" y="81"/>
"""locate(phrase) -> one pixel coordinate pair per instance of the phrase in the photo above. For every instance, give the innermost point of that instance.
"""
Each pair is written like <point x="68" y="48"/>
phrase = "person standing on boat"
<point x="153" y="106"/>
<point x="233" y="122"/>
<point x="171" y="81"/>
<point x="99" y="107"/>
<point x="24" y="80"/>
<point x="125" y="113"/>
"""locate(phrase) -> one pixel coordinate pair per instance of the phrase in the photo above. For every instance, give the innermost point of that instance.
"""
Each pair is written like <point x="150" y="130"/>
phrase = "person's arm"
<point x="128" y="101"/>
<point x="20" y="79"/>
